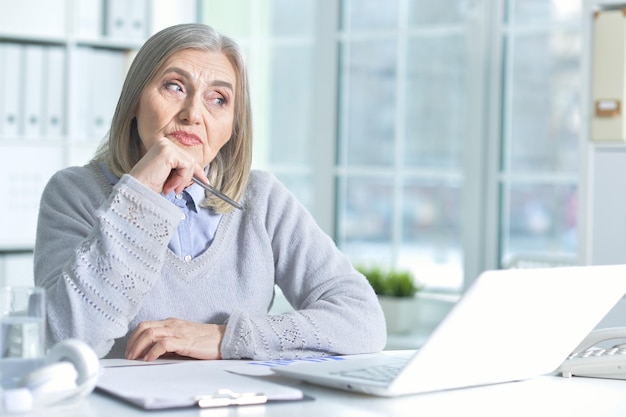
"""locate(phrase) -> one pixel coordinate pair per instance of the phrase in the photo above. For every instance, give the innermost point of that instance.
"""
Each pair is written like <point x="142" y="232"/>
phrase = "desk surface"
<point x="542" y="396"/>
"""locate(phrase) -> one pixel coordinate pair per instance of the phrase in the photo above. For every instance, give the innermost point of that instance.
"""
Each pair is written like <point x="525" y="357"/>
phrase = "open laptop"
<point x="509" y="325"/>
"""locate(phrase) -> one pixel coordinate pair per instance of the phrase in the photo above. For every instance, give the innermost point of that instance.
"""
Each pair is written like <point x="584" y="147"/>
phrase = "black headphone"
<point x="71" y="372"/>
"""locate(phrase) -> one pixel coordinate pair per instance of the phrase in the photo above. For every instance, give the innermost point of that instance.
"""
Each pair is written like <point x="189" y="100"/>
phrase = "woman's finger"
<point x="162" y="347"/>
<point x="165" y="168"/>
<point x="142" y="339"/>
<point x="151" y="340"/>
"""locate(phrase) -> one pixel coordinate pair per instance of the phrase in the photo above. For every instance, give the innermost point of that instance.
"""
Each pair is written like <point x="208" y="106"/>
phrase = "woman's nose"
<point x="191" y="111"/>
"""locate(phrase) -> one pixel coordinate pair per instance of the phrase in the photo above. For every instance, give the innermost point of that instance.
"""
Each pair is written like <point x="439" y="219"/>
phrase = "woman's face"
<point x="190" y="101"/>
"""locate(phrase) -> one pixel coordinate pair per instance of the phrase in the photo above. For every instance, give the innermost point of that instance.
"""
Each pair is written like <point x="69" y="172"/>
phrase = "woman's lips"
<point x="186" y="138"/>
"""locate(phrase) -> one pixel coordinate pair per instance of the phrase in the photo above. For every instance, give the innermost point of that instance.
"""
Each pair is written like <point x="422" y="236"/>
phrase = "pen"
<point x="217" y="192"/>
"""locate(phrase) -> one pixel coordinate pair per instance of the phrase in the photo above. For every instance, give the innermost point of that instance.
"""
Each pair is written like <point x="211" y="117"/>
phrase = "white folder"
<point x="169" y="13"/>
<point x="44" y="17"/>
<point x="191" y="384"/>
<point x="107" y="90"/>
<point x="12" y="83"/>
<point x="54" y="88"/>
<point x="90" y="18"/>
<point x="3" y="61"/>
<point x="608" y="76"/>
<point x="32" y="109"/>
<point x="82" y="93"/>
<point x="116" y="19"/>
<point x="137" y="12"/>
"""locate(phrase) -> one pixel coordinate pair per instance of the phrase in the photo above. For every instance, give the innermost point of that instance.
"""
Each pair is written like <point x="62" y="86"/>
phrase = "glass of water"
<point x="22" y="333"/>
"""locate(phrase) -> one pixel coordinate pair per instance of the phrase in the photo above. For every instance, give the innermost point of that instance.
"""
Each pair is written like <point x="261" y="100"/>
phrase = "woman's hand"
<point x="153" y="339"/>
<point x="165" y="167"/>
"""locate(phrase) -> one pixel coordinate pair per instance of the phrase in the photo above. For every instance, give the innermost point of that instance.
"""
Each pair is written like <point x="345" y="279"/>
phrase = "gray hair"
<point x="230" y="169"/>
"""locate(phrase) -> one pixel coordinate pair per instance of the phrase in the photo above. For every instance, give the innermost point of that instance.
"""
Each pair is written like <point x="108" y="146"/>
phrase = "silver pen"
<point x="217" y="193"/>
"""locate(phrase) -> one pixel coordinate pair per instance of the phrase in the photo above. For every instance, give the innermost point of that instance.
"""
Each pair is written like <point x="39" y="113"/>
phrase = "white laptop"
<point x="509" y="325"/>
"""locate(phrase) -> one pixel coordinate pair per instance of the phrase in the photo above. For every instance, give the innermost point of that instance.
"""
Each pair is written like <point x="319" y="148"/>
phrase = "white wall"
<point x="16" y="269"/>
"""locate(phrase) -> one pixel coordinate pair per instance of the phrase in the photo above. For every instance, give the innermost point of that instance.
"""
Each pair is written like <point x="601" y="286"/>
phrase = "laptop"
<point x="509" y="325"/>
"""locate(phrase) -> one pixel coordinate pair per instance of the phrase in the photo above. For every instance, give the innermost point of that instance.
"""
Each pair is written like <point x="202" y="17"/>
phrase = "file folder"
<point x="40" y="18"/>
<point x="116" y="19"/>
<point x="608" y="123"/>
<point x="11" y="63"/>
<point x="107" y="87"/>
<point x="126" y="20"/>
<point x="190" y="384"/>
<point x="137" y="20"/>
<point x="32" y="83"/>
<point x="83" y="93"/>
<point x="90" y="19"/>
<point x="54" y="98"/>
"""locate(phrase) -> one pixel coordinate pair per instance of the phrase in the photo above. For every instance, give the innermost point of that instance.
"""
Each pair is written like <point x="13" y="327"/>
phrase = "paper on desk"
<point x="241" y="366"/>
<point x="261" y="367"/>
<point x="251" y="367"/>
<point x="113" y="363"/>
<point x="176" y="385"/>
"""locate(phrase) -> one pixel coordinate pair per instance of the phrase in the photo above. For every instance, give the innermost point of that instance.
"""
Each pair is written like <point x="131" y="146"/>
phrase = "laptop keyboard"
<point x="379" y="373"/>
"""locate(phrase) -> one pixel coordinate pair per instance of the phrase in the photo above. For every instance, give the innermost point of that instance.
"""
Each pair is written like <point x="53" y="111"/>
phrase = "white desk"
<point x="542" y="396"/>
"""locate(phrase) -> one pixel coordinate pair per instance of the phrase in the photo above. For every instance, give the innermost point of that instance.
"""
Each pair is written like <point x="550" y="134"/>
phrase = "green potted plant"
<point x="396" y="290"/>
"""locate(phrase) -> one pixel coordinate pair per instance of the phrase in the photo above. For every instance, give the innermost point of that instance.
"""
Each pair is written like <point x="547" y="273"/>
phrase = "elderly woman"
<point x="140" y="261"/>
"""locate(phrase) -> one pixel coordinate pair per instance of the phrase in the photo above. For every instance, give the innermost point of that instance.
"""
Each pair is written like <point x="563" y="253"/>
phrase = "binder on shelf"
<point x="137" y="19"/>
<point x="608" y="76"/>
<point x="54" y="88"/>
<point x="107" y="90"/>
<point x="34" y="17"/>
<point x="90" y="18"/>
<point x="125" y="20"/>
<point x="11" y="78"/>
<point x="82" y="94"/>
<point x="170" y="13"/>
<point x="116" y="19"/>
<point x="32" y="83"/>
<point x="3" y="81"/>
<point x="96" y="92"/>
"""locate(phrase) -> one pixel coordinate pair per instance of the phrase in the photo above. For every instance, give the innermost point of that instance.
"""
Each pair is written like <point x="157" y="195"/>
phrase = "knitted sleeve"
<point x="98" y="252"/>
<point x="336" y="310"/>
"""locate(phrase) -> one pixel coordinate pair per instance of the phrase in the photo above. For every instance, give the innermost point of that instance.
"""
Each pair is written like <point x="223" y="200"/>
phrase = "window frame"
<point x="485" y="177"/>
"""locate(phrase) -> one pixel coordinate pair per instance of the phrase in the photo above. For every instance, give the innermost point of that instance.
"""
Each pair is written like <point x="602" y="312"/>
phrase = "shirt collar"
<point x="112" y="178"/>
<point x="196" y="193"/>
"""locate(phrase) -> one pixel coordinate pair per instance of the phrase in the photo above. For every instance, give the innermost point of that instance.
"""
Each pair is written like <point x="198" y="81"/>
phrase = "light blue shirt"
<point x="196" y="231"/>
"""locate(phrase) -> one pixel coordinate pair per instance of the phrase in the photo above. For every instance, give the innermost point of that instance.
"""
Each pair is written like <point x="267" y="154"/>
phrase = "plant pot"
<point x="400" y="313"/>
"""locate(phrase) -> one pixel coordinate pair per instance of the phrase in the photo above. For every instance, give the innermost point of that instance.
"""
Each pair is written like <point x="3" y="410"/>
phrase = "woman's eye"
<point x="172" y="86"/>
<point x="216" y="99"/>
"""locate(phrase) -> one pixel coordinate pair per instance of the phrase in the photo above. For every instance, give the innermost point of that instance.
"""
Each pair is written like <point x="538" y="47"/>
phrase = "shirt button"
<point x="187" y="258"/>
<point x="179" y="196"/>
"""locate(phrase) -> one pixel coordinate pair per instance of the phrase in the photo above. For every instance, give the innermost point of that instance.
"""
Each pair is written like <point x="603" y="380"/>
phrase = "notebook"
<point x="509" y="325"/>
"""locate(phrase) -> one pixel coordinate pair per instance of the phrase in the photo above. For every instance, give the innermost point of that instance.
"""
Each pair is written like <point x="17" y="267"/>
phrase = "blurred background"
<point x="443" y="137"/>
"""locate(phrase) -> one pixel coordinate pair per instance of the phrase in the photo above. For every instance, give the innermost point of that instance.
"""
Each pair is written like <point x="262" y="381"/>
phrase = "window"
<point x="448" y="130"/>
<point x="404" y="75"/>
<point x="540" y="133"/>
<point x="278" y="39"/>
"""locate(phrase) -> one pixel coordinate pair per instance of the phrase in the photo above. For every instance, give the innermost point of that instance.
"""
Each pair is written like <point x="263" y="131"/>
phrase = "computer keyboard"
<point x="379" y="373"/>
